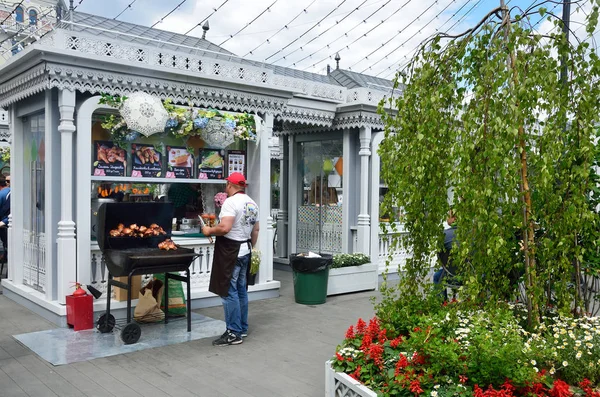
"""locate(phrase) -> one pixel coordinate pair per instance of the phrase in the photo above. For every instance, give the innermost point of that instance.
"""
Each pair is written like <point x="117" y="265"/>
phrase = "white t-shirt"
<point x="245" y="211"/>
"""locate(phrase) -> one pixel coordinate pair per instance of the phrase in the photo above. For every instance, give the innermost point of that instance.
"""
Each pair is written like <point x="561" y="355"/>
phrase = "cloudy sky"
<point x="371" y="36"/>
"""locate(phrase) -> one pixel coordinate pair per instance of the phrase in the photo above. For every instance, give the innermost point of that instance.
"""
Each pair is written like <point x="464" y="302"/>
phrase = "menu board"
<point x="109" y="159"/>
<point x="180" y="162"/>
<point x="211" y="164"/>
<point x="146" y="161"/>
<point x="236" y="162"/>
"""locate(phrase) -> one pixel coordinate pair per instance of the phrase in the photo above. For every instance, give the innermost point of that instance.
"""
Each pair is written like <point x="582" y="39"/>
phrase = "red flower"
<point x="382" y="337"/>
<point x="361" y="326"/>
<point x="462" y="379"/>
<point x="356" y="373"/>
<point x="477" y="392"/>
<point x="373" y="328"/>
<point x="585" y="383"/>
<point x="508" y="386"/>
<point x="415" y="387"/>
<point x="350" y="333"/>
<point x="375" y="352"/>
<point x="339" y="356"/>
<point x="560" y="389"/>
<point x="395" y="342"/>
<point x="401" y="364"/>
<point x="366" y="342"/>
<point x="418" y="359"/>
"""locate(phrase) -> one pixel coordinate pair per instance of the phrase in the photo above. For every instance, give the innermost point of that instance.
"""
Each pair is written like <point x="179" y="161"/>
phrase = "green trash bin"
<point x="310" y="278"/>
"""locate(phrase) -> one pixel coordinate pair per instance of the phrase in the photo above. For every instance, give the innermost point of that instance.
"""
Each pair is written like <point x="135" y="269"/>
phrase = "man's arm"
<point x="254" y="234"/>
<point x="221" y="229"/>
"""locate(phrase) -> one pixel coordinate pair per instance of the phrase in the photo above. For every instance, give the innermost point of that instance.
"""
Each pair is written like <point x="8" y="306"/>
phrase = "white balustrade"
<point x="200" y="268"/>
<point x="34" y="260"/>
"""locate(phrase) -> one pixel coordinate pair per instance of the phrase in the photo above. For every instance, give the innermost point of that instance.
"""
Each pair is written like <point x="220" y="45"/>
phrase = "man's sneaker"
<point x="228" y="338"/>
<point x="244" y="334"/>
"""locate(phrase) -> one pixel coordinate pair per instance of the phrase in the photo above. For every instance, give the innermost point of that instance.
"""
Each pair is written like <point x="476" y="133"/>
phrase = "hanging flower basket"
<point x="217" y="129"/>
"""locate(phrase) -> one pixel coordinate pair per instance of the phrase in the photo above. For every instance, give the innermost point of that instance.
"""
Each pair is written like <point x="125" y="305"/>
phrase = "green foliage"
<point x="5" y="154"/>
<point x="345" y="260"/>
<point x="254" y="261"/>
<point x="453" y="348"/>
<point x="487" y="117"/>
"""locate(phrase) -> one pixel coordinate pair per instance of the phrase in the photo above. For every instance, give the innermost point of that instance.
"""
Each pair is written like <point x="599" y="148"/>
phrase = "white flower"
<point x="552" y="371"/>
<point x="436" y="387"/>
<point x="434" y="394"/>
<point x="535" y="369"/>
<point x="578" y="355"/>
<point x="564" y="363"/>
<point x="533" y="362"/>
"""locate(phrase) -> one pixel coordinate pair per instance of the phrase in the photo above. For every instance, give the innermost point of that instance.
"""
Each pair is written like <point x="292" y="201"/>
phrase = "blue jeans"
<point x="437" y="279"/>
<point x="236" y="302"/>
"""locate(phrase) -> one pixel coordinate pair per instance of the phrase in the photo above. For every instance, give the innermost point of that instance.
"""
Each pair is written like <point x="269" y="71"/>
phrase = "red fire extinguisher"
<point x="80" y="309"/>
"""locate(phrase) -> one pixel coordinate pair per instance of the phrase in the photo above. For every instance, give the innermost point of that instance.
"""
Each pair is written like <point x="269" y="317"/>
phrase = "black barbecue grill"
<point x="130" y="256"/>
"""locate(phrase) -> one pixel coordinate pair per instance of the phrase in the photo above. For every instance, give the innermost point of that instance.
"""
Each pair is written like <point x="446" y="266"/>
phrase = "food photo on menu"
<point x="146" y="161"/>
<point x="236" y="162"/>
<point x="109" y="159"/>
<point x="180" y="162"/>
<point x="211" y="164"/>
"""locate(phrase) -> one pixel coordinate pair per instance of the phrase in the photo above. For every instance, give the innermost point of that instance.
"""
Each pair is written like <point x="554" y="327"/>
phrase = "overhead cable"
<point x="249" y="23"/>
<point x="325" y="31"/>
<point x="170" y="12"/>
<point x="286" y="26"/>
<point x="11" y="14"/>
<point x="343" y="35"/>
<point x="303" y="34"/>
<point x="209" y="15"/>
<point x="402" y="30"/>
<point x="125" y="9"/>
<point x="364" y="34"/>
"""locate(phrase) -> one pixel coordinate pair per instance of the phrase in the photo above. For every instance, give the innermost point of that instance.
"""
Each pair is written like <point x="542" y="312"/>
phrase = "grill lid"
<point x="142" y="214"/>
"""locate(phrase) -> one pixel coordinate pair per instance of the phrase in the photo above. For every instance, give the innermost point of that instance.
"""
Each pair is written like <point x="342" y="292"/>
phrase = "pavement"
<point x="283" y="356"/>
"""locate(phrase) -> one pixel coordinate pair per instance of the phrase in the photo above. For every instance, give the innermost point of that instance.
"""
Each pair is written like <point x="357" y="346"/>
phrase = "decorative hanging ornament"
<point x="216" y="134"/>
<point x="144" y="113"/>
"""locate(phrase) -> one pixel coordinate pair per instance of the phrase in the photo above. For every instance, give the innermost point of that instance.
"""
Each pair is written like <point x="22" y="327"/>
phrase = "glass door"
<point x="319" y="227"/>
<point x="34" y="271"/>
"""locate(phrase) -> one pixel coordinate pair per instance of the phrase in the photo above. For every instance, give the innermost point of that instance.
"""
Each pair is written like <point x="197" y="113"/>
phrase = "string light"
<point x="205" y="19"/>
<point x="303" y="34"/>
<point x="125" y="9"/>
<point x="249" y="23"/>
<point x="170" y="12"/>
<point x="286" y="26"/>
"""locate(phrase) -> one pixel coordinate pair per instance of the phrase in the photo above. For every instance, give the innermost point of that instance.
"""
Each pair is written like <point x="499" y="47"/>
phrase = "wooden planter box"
<point x="338" y="384"/>
<point x="352" y="279"/>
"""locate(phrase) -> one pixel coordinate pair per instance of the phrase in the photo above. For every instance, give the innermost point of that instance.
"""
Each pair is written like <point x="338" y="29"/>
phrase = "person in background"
<point x="182" y="195"/>
<point x="4" y="213"/>
<point x="444" y="255"/>
<point x="236" y="233"/>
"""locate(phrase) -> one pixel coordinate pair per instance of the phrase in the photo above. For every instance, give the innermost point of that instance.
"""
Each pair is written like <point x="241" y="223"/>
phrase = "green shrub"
<point x="345" y="260"/>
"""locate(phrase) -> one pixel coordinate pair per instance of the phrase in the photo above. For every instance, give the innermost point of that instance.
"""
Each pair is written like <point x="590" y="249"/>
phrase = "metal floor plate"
<point x="61" y="346"/>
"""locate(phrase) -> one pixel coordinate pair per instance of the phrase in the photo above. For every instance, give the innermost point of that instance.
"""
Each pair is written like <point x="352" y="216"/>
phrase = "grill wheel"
<point x="131" y="333"/>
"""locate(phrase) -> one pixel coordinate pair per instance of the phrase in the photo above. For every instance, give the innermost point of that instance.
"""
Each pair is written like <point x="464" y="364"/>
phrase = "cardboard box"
<point x="136" y="285"/>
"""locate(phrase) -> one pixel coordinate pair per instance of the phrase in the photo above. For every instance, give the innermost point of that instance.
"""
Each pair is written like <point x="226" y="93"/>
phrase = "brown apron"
<point x="224" y="260"/>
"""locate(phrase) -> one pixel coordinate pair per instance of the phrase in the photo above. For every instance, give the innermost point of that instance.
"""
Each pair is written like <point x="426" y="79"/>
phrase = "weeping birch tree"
<point x="490" y="116"/>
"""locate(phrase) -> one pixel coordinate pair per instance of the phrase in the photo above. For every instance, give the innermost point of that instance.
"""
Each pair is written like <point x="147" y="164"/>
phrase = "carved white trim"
<point x="202" y="63"/>
<point x="306" y="116"/>
<point x="5" y="134"/>
<point x="342" y="121"/>
<point x="24" y="85"/>
<point x="365" y="96"/>
<point x="3" y="117"/>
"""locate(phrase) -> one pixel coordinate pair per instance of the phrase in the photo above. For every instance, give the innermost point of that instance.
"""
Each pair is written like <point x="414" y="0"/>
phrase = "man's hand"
<point x="2" y="224"/>
<point x="205" y="230"/>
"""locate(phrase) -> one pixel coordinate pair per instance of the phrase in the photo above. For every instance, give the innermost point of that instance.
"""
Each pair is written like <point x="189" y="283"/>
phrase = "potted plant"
<point x="351" y="273"/>
<point x="254" y="266"/>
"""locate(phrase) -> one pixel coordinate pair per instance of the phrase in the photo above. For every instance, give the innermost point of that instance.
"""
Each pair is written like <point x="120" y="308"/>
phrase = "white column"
<point x="52" y="186"/>
<point x="375" y="177"/>
<point x="349" y="193"/>
<point x="294" y="184"/>
<point x="259" y="188"/>
<point x="67" y="245"/>
<point x="17" y="188"/>
<point x="282" y="216"/>
<point x="364" y="229"/>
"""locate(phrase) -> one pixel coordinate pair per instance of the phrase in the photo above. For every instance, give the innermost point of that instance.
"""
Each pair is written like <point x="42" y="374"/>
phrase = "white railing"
<point x="34" y="260"/>
<point x="201" y="62"/>
<point x="389" y="259"/>
<point x="200" y="268"/>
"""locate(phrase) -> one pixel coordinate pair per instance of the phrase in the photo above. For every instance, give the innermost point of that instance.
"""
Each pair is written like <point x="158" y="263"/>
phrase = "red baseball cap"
<point x="237" y="179"/>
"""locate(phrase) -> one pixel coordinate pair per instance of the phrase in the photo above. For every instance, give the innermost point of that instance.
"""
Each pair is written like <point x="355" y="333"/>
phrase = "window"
<point x="33" y="17"/>
<point x="19" y="15"/>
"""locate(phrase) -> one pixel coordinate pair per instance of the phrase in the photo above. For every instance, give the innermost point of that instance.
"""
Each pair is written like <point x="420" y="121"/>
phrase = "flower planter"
<point x="338" y="384"/>
<point x="352" y="279"/>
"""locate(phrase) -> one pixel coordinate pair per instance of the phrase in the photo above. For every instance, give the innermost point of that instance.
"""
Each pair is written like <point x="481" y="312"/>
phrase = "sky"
<point x="371" y="36"/>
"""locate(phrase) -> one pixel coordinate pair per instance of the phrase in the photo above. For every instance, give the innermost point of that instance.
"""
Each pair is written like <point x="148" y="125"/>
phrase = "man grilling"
<point x="236" y="233"/>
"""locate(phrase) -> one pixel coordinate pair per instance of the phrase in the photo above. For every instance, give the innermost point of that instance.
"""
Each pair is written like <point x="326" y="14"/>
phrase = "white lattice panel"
<point x="34" y="260"/>
<point x="200" y="268"/>
<point x="308" y="237"/>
